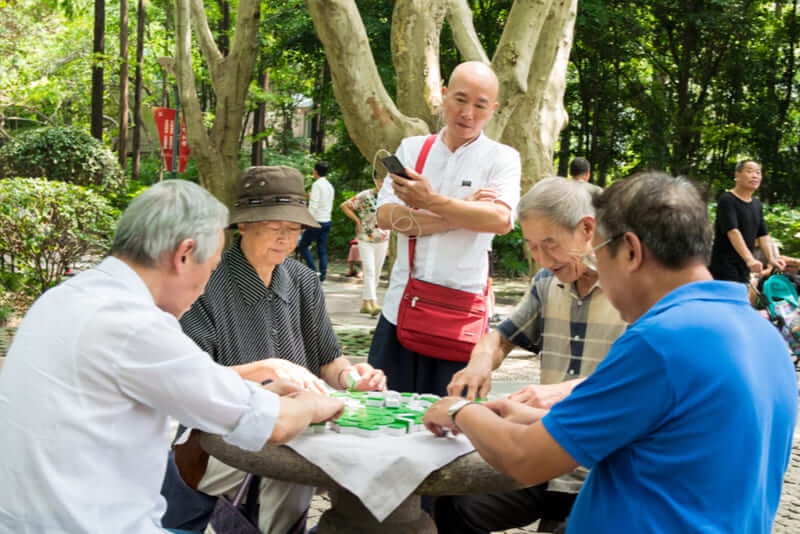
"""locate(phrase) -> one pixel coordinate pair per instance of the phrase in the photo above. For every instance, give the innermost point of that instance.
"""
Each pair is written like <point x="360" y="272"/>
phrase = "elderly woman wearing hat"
<point x="264" y="314"/>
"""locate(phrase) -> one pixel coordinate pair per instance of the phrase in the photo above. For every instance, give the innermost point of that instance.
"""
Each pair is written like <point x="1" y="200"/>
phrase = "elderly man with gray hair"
<point x="565" y="317"/>
<point x="100" y="362"/>
<point x="699" y="382"/>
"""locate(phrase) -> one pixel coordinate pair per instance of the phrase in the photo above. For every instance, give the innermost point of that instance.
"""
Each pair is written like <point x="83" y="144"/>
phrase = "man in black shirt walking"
<point x="739" y="227"/>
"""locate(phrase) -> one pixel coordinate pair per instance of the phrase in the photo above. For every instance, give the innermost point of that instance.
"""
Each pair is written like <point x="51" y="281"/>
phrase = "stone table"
<point x="465" y="475"/>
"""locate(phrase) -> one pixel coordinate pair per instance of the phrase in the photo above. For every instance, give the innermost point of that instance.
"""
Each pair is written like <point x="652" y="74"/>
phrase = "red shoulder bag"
<point x="435" y="320"/>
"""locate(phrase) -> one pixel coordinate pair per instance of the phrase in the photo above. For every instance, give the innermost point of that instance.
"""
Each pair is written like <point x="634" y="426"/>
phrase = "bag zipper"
<point x="440" y="304"/>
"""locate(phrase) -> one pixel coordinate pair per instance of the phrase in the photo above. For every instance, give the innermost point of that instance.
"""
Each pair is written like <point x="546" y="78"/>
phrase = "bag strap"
<point x="423" y="155"/>
<point x="242" y="491"/>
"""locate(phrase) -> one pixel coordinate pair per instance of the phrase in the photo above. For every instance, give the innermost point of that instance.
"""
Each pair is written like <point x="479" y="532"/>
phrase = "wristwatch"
<point x="455" y="408"/>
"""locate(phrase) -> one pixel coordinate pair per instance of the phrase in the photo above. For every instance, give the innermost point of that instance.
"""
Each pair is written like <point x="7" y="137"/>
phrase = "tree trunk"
<point x="137" y="91"/>
<point x="563" y="152"/>
<point x="123" y="84"/>
<point x="257" y="151"/>
<point x="371" y="117"/>
<point x="216" y="152"/>
<point x="98" y="49"/>
<point x="318" y="119"/>
<point x="530" y="62"/>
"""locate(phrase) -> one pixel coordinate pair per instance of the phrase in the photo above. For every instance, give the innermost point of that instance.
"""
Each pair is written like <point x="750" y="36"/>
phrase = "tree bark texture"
<point x="216" y="151"/>
<point x="136" y="149"/>
<point x="530" y="62"/>
<point x="123" y="84"/>
<point x="98" y="49"/>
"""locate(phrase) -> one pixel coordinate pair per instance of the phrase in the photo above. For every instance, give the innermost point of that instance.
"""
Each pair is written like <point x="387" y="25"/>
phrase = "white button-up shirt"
<point x="459" y="258"/>
<point x="93" y="373"/>
<point x="320" y="203"/>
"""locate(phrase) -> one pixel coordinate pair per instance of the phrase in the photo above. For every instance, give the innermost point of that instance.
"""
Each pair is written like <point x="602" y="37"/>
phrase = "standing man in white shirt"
<point x="320" y="205"/>
<point x="100" y="362"/>
<point x="466" y="193"/>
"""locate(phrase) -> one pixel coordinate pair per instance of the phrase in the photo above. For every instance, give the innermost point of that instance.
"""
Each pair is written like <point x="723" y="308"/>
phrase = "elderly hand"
<point x="476" y="377"/>
<point x="415" y="191"/>
<point x="371" y="379"/>
<point x="282" y="387"/>
<point x="436" y="418"/>
<point x="542" y="395"/>
<point x="280" y="369"/>
<point x="325" y="408"/>
<point x="515" y="412"/>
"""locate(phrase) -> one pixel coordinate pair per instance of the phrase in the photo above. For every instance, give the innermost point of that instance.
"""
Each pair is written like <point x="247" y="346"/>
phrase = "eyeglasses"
<point x="284" y="231"/>
<point x="590" y="258"/>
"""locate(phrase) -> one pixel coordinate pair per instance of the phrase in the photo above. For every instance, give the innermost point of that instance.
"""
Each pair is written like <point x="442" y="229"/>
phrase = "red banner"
<point x="165" y="123"/>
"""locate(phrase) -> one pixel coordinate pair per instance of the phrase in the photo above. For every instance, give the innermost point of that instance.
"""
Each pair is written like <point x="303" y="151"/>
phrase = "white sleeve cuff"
<point x="255" y="426"/>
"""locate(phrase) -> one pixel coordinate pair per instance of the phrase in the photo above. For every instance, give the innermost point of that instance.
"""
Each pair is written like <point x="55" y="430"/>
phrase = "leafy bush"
<point x="65" y="154"/>
<point x="47" y="226"/>
<point x="783" y="225"/>
<point x="508" y="254"/>
<point x="149" y="167"/>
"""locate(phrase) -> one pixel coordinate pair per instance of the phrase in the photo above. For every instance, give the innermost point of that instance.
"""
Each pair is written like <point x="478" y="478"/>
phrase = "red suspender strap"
<point x="423" y="155"/>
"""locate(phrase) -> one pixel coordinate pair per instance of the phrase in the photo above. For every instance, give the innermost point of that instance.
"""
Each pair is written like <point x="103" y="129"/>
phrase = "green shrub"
<point x="47" y="226"/>
<point x="65" y="154"/>
<point x="783" y="225"/>
<point x="508" y="254"/>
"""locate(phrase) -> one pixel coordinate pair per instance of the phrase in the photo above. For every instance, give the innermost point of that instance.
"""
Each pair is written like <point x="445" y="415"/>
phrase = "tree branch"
<point x="514" y="54"/>
<point x="540" y="115"/>
<point x="416" y="30"/>
<point x="205" y="38"/>
<point x="195" y="130"/>
<point x="459" y="15"/>
<point x="371" y="117"/>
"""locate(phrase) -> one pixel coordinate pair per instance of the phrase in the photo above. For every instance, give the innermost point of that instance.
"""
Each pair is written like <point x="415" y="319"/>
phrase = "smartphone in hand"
<point x="394" y="166"/>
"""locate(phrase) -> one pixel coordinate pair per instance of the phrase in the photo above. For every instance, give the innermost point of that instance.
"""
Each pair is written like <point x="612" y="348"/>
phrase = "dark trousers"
<point x="320" y="237"/>
<point x="405" y="370"/>
<point x="481" y="514"/>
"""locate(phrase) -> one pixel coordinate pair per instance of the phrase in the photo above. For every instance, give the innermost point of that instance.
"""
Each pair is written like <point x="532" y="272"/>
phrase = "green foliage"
<point x="783" y="224"/>
<point x="66" y="154"/>
<point x="120" y="200"/>
<point x="150" y="166"/>
<point x="5" y="313"/>
<point x="297" y="159"/>
<point x="47" y="226"/>
<point x="343" y="230"/>
<point x="508" y="254"/>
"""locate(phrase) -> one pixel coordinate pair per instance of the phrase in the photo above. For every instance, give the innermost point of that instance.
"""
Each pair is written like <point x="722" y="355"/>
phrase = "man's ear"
<point x="587" y="226"/>
<point x="634" y="251"/>
<point x="182" y="252"/>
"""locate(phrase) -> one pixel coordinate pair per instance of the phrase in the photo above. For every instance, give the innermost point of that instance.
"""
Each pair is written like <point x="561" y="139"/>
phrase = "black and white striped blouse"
<point x="240" y="320"/>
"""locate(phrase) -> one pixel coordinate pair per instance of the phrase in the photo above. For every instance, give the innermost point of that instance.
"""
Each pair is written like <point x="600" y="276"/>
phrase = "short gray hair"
<point x="667" y="214"/>
<point x="165" y="214"/>
<point x="565" y="202"/>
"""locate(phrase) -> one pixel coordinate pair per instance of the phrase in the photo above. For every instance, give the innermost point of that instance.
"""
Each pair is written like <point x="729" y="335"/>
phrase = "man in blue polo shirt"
<point x="687" y="424"/>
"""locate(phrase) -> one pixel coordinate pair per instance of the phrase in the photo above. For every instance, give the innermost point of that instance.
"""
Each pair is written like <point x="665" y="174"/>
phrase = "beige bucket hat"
<point x="274" y="193"/>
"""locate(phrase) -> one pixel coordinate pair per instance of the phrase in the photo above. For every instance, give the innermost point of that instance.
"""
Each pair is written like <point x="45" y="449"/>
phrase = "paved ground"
<point x="343" y="296"/>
